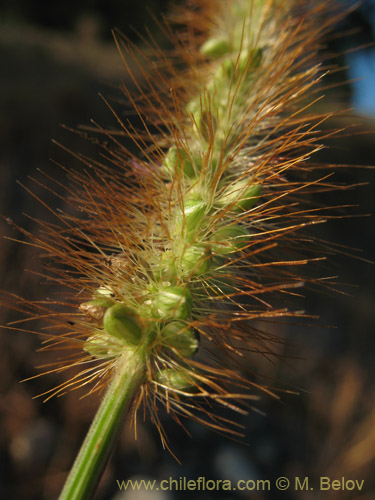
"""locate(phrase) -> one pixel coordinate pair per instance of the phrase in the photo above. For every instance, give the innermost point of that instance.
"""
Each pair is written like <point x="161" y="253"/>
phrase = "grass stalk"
<point x="96" y="448"/>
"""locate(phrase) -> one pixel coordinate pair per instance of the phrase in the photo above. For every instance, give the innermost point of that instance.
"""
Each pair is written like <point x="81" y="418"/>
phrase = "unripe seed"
<point x="225" y="70"/>
<point x="175" y="379"/>
<point x="215" y="47"/>
<point x="241" y="196"/>
<point x="96" y="346"/>
<point x="229" y="239"/>
<point x="178" y="160"/>
<point x="173" y="302"/>
<point x="196" y="259"/>
<point x="249" y="60"/>
<point x="164" y="267"/>
<point x="119" y="321"/>
<point x="246" y="64"/>
<point x="249" y="197"/>
<point x="256" y="56"/>
<point x="103" y="346"/>
<point x="183" y="339"/>
<point x="193" y="214"/>
<point x="206" y="122"/>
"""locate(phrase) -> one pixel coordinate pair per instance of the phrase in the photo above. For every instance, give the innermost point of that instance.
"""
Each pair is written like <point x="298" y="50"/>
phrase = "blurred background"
<point x="55" y="59"/>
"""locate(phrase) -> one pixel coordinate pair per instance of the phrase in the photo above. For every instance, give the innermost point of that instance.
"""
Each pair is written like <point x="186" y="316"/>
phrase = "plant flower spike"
<point x="171" y="255"/>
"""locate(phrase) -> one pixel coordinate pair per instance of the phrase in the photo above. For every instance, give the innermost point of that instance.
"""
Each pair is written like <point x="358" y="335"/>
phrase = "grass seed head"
<point x="180" y="248"/>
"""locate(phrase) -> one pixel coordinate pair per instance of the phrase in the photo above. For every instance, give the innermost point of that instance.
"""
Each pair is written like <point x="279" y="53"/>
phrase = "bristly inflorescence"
<point x="178" y="249"/>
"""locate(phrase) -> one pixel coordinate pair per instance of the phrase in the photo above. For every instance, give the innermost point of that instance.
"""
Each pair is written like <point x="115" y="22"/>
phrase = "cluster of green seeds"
<point x="195" y="247"/>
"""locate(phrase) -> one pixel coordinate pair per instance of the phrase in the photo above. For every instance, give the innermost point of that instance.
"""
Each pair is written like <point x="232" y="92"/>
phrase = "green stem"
<point x="95" y="450"/>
